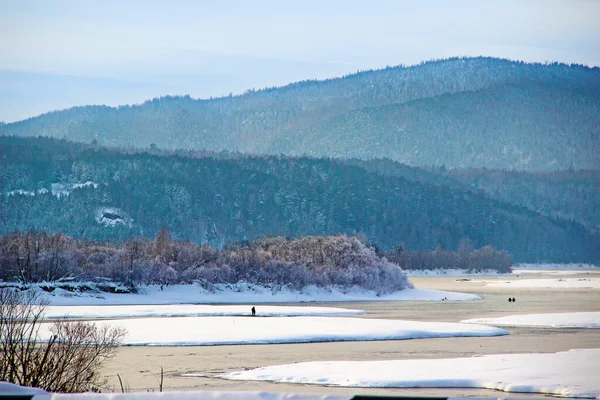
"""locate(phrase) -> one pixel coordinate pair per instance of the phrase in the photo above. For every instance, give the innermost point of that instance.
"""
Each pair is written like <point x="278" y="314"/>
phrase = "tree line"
<point x="33" y="257"/>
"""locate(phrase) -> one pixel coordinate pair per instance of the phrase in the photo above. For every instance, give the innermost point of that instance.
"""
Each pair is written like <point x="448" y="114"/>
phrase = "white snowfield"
<point x="244" y="293"/>
<point x="207" y="331"/>
<point x="188" y="310"/>
<point x="572" y="373"/>
<point x="556" y="320"/>
<point x="558" y="283"/>
<point x="555" y="267"/>
<point x="555" y="272"/>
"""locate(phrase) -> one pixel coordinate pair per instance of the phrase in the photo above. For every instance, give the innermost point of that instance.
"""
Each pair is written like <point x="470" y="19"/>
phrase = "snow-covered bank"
<point x="554" y="266"/>
<point x="558" y="283"/>
<point x="188" y="310"/>
<point x="556" y="320"/>
<point x="572" y="373"/>
<point x="555" y="272"/>
<point x="452" y="272"/>
<point x="244" y="293"/>
<point x="517" y="269"/>
<point x="206" y="331"/>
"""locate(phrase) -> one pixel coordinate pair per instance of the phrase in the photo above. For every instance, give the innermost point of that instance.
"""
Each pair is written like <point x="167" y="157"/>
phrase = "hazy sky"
<point x="54" y="54"/>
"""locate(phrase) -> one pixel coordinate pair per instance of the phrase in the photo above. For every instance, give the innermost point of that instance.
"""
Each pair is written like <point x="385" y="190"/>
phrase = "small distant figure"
<point x="513" y="299"/>
<point x="510" y="300"/>
<point x="253" y="311"/>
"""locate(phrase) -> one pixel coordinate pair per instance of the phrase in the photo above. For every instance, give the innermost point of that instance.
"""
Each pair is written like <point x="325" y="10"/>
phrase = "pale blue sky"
<point x="54" y="54"/>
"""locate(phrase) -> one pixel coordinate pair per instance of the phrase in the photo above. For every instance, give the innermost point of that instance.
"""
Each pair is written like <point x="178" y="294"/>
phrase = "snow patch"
<point x="65" y="189"/>
<point x="20" y="192"/>
<point x="555" y="320"/>
<point x="554" y="266"/>
<point x="210" y="331"/>
<point x="112" y="216"/>
<point x="555" y="272"/>
<point x="57" y="189"/>
<point x="560" y="283"/>
<point x="572" y="373"/>
<point x="7" y="389"/>
<point x="60" y="189"/>
<point x="85" y="184"/>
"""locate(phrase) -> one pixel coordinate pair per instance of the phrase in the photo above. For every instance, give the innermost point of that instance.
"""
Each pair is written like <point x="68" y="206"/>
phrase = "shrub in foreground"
<point x="69" y="361"/>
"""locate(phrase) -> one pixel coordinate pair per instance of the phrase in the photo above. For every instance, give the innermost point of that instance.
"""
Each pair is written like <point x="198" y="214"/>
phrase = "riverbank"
<point x="140" y="367"/>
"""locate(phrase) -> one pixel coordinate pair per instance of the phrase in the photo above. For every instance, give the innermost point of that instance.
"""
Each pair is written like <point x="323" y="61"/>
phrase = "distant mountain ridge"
<point x="460" y="112"/>
<point x="500" y="127"/>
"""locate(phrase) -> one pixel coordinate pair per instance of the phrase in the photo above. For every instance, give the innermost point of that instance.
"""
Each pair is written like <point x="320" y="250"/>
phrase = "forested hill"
<point x="461" y="112"/>
<point x="572" y="195"/>
<point x="515" y="127"/>
<point x="96" y="193"/>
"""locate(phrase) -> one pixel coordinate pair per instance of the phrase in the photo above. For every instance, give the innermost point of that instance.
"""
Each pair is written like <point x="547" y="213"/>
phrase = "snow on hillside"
<point x="20" y="192"/>
<point x="556" y="320"/>
<point x="65" y="189"/>
<point x="57" y="189"/>
<point x="571" y="373"/>
<point x="85" y="184"/>
<point x="207" y="331"/>
<point x="112" y="216"/>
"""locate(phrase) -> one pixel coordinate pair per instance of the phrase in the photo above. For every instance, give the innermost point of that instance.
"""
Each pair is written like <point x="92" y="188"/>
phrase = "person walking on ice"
<point x="253" y="311"/>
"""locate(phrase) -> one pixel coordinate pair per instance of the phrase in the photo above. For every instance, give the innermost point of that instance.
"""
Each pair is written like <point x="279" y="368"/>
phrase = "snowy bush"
<point x="272" y="262"/>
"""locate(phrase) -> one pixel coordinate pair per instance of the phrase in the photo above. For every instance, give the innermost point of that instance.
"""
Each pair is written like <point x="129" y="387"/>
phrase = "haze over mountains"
<point x="462" y="112"/>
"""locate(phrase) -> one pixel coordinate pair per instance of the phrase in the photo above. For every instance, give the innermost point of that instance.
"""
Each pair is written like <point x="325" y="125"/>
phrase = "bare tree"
<point x="68" y="361"/>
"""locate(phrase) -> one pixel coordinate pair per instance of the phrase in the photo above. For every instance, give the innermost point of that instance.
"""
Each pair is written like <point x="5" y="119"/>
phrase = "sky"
<point x="60" y="53"/>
